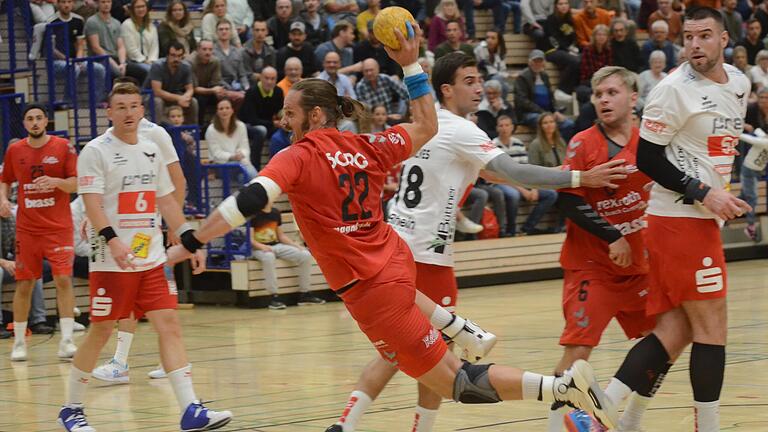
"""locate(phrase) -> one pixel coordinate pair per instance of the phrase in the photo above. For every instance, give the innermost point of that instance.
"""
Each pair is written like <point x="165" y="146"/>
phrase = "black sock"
<point x="645" y="366"/>
<point x="707" y="371"/>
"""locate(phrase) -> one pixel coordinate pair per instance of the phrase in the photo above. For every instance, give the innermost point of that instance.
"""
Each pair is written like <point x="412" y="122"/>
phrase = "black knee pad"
<point x="473" y="385"/>
<point x="252" y="199"/>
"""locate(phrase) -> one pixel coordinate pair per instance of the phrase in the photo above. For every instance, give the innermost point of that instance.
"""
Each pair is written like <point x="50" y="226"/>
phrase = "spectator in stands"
<point x="372" y="48"/>
<point x="269" y="243"/>
<point x="534" y="96"/>
<point x="560" y="45"/>
<point x="262" y="9"/>
<point x="446" y="11"/>
<point x="342" y="40"/>
<point x="753" y="167"/>
<point x="589" y="18"/>
<point x="227" y="139"/>
<point x="42" y="11"/>
<point x="280" y="24"/>
<point x="142" y="45"/>
<point x="74" y="31"/>
<point x="378" y="89"/>
<point x="186" y="147"/>
<point x="341" y="10"/>
<point x="240" y="15"/>
<point x="497" y="8"/>
<point x="753" y="42"/>
<point x="330" y="73"/>
<point x="257" y="54"/>
<point x="299" y="48"/>
<point x="103" y="35"/>
<point x="761" y="14"/>
<point x="231" y="59"/>
<point x="453" y="41"/>
<point x="759" y="72"/>
<point x="733" y="22"/>
<point x="648" y="78"/>
<point x="215" y="11"/>
<point x="498" y="203"/>
<point x="618" y="7"/>
<point x="492" y="107"/>
<point x="659" y="41"/>
<point x="625" y="51"/>
<point x="379" y="117"/>
<point x="293" y="71"/>
<point x="176" y="26"/>
<point x="647" y="7"/>
<point x="206" y="79"/>
<point x="673" y="19"/>
<point x="316" y="21"/>
<point x="490" y="55"/>
<point x="171" y="82"/>
<point x="740" y="60"/>
<point x="260" y="112"/>
<point x="548" y="148"/>
<point x="366" y="16"/>
<point x="280" y="140"/>
<point x="595" y="55"/>
<point x="535" y="13"/>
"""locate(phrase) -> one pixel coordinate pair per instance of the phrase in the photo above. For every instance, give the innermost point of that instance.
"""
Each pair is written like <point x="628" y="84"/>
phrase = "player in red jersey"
<point x="334" y="181"/>
<point x="604" y="255"/>
<point x="46" y="168"/>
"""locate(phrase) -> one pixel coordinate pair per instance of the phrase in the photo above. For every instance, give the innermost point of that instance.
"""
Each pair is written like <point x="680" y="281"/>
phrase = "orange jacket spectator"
<point x="673" y="18"/>
<point x="585" y="21"/>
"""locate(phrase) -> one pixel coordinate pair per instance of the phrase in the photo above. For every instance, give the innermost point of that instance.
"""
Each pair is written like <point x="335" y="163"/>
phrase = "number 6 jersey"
<point x="130" y="178"/>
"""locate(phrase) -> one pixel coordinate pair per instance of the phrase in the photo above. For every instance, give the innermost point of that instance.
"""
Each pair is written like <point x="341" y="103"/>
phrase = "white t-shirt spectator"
<point x="222" y="147"/>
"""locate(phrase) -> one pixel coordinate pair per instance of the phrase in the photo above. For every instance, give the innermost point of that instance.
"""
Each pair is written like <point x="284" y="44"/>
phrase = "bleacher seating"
<point x="49" y="294"/>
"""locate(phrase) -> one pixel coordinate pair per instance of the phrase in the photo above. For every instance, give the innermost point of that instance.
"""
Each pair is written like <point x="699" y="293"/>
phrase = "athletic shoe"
<point x="67" y="349"/>
<point x="753" y="233"/>
<point x="309" y="299"/>
<point x="579" y="421"/>
<point x="334" y="428"/>
<point x="275" y="303"/>
<point x="584" y="392"/>
<point x="77" y="311"/>
<point x="19" y="352"/>
<point x="77" y="327"/>
<point x="73" y="419"/>
<point x="4" y="333"/>
<point x="475" y="342"/>
<point x="466" y="226"/>
<point x="41" y="328"/>
<point x="112" y="372"/>
<point x="199" y="418"/>
<point x="157" y="373"/>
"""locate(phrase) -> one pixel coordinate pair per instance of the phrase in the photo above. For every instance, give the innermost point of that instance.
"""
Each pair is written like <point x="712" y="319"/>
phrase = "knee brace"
<point x="473" y="385"/>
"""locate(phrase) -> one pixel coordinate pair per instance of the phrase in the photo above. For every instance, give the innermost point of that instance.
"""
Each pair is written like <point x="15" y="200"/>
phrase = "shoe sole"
<point x="277" y="308"/>
<point x="220" y="424"/>
<point x="121" y="380"/>
<point x="309" y="303"/>
<point x="597" y="402"/>
<point x="19" y="359"/>
<point x="158" y="377"/>
<point x="61" y="423"/>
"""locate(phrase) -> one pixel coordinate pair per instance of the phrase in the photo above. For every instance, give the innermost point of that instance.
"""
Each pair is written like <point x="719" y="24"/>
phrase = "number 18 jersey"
<point x="130" y="178"/>
<point x="433" y="183"/>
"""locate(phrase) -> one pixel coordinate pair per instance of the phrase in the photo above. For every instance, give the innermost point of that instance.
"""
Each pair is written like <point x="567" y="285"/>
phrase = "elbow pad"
<point x="237" y="209"/>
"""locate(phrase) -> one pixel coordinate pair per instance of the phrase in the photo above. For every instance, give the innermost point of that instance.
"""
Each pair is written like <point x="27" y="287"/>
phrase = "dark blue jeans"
<point x="496" y="6"/>
<point x="513" y="196"/>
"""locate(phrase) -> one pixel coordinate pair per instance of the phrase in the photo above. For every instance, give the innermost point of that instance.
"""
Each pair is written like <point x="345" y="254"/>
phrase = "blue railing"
<point x="189" y="159"/>
<point x="11" y="106"/>
<point x="92" y="104"/>
<point x="11" y="6"/>
<point x="148" y="96"/>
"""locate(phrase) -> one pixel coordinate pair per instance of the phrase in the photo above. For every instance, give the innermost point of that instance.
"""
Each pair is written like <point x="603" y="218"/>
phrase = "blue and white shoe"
<point x="199" y="418"/>
<point x="112" y="372"/>
<point x="580" y="421"/>
<point x="73" y="419"/>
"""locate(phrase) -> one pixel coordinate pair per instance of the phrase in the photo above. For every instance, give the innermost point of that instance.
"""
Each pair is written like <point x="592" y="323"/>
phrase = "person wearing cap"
<point x="759" y="73"/>
<point x="279" y="25"/>
<point x="534" y="95"/>
<point x="231" y="60"/>
<point x="342" y="39"/>
<point x="297" y="47"/>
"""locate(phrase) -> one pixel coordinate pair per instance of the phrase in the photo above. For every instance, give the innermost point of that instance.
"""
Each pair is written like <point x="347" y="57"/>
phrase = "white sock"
<point x="66" y="325"/>
<point x="19" y="332"/>
<point x="707" y="416"/>
<point x="633" y="413"/>
<point x="617" y="391"/>
<point x="440" y="317"/>
<point x="181" y="381"/>
<point x="78" y="382"/>
<point x="424" y="419"/>
<point x="356" y="405"/>
<point x="124" y="340"/>
<point x="533" y="384"/>
<point x="556" y="419"/>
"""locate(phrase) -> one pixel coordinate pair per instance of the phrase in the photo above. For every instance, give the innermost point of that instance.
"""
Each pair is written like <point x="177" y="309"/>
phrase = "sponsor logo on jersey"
<point x="39" y="203"/>
<point x="445" y="228"/>
<point x="627" y="200"/>
<point x="396" y="138"/>
<point x="85" y="180"/>
<point x="138" y="179"/>
<point x="574" y="145"/>
<point x="626" y="228"/>
<point x="398" y="222"/>
<point x="654" y="126"/>
<point x="346" y="159"/>
<point x="101" y="305"/>
<point x="51" y="160"/>
<point x="707" y="104"/>
<point x="431" y="338"/>
<point x="151" y="156"/>
<point x="136" y="223"/>
<point x="346" y="229"/>
<point x="709" y="279"/>
<point x="727" y="125"/>
<point x="119" y="160"/>
<point x="422" y="154"/>
<point x="722" y="146"/>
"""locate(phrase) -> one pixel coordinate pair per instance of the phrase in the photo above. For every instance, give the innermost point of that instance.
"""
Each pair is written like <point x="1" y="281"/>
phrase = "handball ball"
<point x="389" y="19"/>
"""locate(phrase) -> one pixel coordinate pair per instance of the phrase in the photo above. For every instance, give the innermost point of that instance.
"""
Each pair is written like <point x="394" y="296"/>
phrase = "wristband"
<point x="182" y="229"/>
<point x="108" y="233"/>
<point x="418" y="85"/>
<point x="695" y="190"/>
<point x="190" y="242"/>
<point x="412" y="69"/>
<point x="575" y="178"/>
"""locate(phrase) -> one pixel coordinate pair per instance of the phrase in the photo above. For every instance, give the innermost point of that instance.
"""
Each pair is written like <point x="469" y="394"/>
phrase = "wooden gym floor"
<point x="292" y="370"/>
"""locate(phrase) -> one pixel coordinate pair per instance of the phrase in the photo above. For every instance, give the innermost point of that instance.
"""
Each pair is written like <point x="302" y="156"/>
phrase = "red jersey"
<point x="624" y="207"/>
<point x="334" y="181"/>
<point x="41" y="210"/>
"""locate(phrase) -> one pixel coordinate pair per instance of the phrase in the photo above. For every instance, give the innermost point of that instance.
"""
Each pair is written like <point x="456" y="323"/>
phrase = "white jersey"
<point x="699" y="121"/>
<point x="433" y="182"/>
<point x="158" y="135"/>
<point x="130" y="178"/>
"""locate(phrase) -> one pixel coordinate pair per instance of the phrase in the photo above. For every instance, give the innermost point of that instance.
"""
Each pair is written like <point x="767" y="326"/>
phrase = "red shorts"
<point x="438" y="283"/>
<point x="591" y="299"/>
<point x="56" y="247"/>
<point x="385" y="309"/>
<point x="114" y="295"/>
<point x="686" y="261"/>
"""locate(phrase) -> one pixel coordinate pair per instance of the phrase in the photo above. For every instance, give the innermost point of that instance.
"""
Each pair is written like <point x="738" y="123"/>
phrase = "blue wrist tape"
<point x="418" y="85"/>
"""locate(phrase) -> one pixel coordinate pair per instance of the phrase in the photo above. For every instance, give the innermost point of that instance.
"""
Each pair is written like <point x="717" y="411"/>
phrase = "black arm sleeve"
<point x="582" y="214"/>
<point x="652" y="161"/>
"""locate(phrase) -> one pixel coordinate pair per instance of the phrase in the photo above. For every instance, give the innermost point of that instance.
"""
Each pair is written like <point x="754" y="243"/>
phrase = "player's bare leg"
<point x="65" y="298"/>
<point x="116" y="370"/>
<point x="22" y="298"/>
<point x="426" y="410"/>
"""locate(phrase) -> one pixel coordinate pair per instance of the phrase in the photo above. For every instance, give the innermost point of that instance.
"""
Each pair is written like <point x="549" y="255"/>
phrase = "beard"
<point x="707" y="66"/>
<point x="36" y="135"/>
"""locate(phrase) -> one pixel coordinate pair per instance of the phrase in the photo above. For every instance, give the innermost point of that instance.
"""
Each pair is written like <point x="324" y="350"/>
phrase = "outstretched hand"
<point x="409" y="48"/>
<point x="605" y="174"/>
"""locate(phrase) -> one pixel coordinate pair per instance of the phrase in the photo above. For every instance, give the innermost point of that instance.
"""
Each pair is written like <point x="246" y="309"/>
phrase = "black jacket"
<point x="524" y="85"/>
<point x="257" y="110"/>
<point x="626" y="54"/>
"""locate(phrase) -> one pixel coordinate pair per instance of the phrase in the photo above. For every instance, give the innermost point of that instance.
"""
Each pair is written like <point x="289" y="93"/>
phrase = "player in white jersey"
<point x="125" y="186"/>
<point x="691" y="125"/>
<point x="431" y="186"/>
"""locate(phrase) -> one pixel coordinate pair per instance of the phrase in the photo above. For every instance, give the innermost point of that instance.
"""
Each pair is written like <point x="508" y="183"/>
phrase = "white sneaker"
<point x="77" y="311"/>
<point x="466" y="226"/>
<point x="584" y="392"/>
<point x="157" y="373"/>
<point x="112" y="372"/>
<point x="78" y="327"/>
<point x="19" y="352"/>
<point x="67" y="349"/>
<point x="475" y="342"/>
